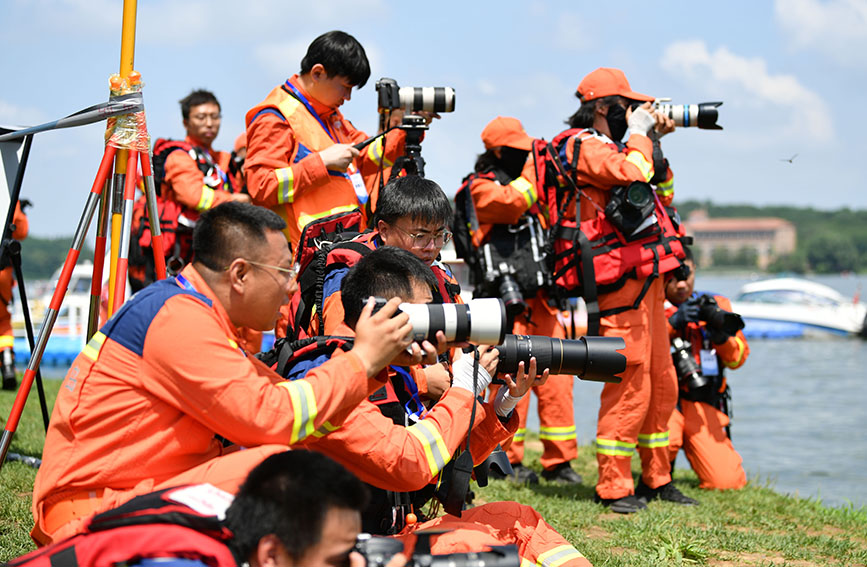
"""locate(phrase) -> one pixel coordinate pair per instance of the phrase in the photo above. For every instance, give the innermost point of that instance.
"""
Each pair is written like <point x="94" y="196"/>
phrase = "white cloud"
<point x="837" y="28"/>
<point x="486" y="87"/>
<point x="747" y="81"/>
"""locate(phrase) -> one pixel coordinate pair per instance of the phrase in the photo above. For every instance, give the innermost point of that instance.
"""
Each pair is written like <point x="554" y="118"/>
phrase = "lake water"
<point x="799" y="408"/>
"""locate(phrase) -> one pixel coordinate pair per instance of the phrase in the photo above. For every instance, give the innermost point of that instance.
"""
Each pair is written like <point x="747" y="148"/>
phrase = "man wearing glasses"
<point x="163" y="395"/>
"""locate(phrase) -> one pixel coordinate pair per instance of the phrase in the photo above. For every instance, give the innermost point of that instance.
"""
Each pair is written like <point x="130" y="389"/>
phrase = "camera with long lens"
<point x="717" y="318"/>
<point x="702" y="115"/>
<point x="688" y="372"/>
<point x="590" y="358"/>
<point x="479" y="321"/>
<point x="630" y="208"/>
<point x="510" y="293"/>
<point x="682" y="272"/>
<point x="377" y="551"/>
<point x="413" y="99"/>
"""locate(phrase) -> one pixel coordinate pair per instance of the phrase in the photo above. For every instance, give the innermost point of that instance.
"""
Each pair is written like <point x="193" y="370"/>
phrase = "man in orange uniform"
<point x="700" y="424"/>
<point x="301" y="161"/>
<point x="194" y="180"/>
<point x="407" y="453"/>
<point x="636" y="411"/>
<point x="151" y="398"/>
<point x="7" y="281"/>
<point x="510" y="219"/>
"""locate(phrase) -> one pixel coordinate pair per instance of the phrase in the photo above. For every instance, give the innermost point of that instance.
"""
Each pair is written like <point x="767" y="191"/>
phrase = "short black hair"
<point x="414" y="197"/>
<point x="386" y="272"/>
<point x="288" y="495"/>
<point x="585" y="115"/>
<point x="688" y="254"/>
<point x="195" y="98"/>
<point x="340" y="54"/>
<point x="229" y="230"/>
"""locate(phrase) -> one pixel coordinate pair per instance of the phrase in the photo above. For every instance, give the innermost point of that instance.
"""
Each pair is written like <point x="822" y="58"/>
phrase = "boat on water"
<point x="796" y="307"/>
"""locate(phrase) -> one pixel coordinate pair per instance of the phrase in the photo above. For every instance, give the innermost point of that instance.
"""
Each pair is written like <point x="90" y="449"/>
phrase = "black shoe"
<point x="7" y="370"/>
<point x="562" y="473"/>
<point x="524" y="475"/>
<point x="626" y="505"/>
<point x="667" y="492"/>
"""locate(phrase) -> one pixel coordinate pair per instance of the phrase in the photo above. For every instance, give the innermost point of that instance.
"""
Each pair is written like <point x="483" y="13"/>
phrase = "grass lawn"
<point x="755" y="526"/>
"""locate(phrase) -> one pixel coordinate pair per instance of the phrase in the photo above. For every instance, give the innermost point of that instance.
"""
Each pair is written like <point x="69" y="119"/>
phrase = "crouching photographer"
<point x="499" y="232"/>
<point x="706" y="339"/>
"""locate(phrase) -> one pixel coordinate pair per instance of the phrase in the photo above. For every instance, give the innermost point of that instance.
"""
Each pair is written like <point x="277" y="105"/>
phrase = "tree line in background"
<point x="41" y="257"/>
<point x="828" y="241"/>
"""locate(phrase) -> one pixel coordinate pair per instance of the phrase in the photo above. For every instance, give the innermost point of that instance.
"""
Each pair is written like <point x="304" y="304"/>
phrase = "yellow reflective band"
<point x="285" y="185"/>
<point x="7" y="341"/>
<point x="614" y="448"/>
<point x="304" y="408"/>
<point x="375" y="153"/>
<point x="740" y="358"/>
<point x="206" y="201"/>
<point x="232" y="343"/>
<point x="558" y="556"/>
<point x="93" y="346"/>
<point x="653" y="440"/>
<point x="526" y="189"/>
<point x="665" y="188"/>
<point x="558" y="433"/>
<point x="305" y="219"/>
<point x="434" y="446"/>
<point x="637" y="159"/>
<point x="520" y="434"/>
<point x="288" y="106"/>
<point x="326" y="428"/>
<point x="526" y="562"/>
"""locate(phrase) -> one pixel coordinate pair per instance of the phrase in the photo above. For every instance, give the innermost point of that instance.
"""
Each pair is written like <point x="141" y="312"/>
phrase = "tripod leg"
<point x="54" y="306"/>
<point x="125" y="231"/>
<point x="154" y="217"/>
<point x="98" y="261"/>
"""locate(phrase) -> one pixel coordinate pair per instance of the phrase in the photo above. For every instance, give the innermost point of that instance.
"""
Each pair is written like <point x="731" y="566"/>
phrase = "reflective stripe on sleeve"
<point x="206" y="201"/>
<point x="434" y="446"/>
<point x="93" y="346"/>
<point x="665" y="188"/>
<point x="527" y="190"/>
<point x="637" y="159"/>
<point x="558" y="433"/>
<point x="519" y="436"/>
<point x="740" y="357"/>
<point x="558" y="556"/>
<point x="325" y="429"/>
<point x="304" y="408"/>
<point x="285" y="185"/>
<point x="375" y="152"/>
<point x="614" y="448"/>
<point x="653" y="440"/>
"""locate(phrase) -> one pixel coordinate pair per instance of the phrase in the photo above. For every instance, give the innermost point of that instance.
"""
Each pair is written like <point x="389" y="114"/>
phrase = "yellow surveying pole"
<point x="127" y="57"/>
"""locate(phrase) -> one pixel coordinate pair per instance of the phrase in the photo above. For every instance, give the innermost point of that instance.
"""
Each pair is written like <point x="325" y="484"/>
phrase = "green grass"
<point x="754" y="526"/>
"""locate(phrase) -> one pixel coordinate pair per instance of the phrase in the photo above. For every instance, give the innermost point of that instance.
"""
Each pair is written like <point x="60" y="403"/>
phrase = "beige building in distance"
<point x="770" y="237"/>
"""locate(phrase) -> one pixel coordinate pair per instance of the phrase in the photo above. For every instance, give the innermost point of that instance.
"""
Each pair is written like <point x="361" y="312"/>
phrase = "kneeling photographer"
<point x="706" y="339"/>
<point x="500" y="232"/>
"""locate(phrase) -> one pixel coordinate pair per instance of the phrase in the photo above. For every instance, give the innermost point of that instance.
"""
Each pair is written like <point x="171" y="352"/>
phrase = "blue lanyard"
<point x="185" y="283"/>
<point x="414" y="397"/>
<point x="309" y="108"/>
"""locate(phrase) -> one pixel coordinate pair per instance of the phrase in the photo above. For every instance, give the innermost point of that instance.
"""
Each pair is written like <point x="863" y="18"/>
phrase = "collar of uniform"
<point x="194" y="142"/>
<point x="321" y="109"/>
<point x="200" y="286"/>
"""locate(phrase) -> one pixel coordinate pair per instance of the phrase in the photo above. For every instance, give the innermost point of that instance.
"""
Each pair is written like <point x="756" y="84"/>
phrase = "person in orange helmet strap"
<point x="163" y="395"/>
<point x="505" y="257"/>
<point x="633" y="414"/>
<point x="700" y="424"/>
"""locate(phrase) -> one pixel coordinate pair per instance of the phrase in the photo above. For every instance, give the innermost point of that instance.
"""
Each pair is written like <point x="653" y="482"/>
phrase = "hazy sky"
<point x="792" y="76"/>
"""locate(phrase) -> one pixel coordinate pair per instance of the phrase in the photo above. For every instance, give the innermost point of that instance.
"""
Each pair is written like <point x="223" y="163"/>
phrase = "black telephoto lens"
<point x="590" y="358"/>
<point x="717" y="318"/>
<point x="510" y="293"/>
<point x="688" y="373"/>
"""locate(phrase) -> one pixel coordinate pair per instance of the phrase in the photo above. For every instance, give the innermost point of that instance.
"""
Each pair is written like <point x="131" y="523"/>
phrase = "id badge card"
<point x="358" y="185"/>
<point x="709" y="365"/>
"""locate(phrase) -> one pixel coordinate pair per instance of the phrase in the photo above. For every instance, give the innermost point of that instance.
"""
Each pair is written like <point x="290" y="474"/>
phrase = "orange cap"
<point x="606" y="81"/>
<point x="506" y="131"/>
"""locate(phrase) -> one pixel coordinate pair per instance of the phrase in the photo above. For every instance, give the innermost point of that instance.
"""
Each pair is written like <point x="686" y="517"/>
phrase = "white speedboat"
<point x="793" y="307"/>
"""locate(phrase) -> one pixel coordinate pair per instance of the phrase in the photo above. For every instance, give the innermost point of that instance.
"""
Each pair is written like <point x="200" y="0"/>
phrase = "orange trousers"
<point x="65" y="517"/>
<point x="556" y="414"/>
<point x="502" y="523"/>
<point x="700" y="429"/>
<point x="635" y="412"/>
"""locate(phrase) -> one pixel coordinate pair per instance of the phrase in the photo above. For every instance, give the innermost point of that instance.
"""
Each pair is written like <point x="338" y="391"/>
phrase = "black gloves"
<point x="687" y="313"/>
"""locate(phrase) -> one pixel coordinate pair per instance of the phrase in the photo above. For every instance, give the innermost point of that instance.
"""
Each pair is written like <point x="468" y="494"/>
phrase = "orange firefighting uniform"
<point x="699" y="427"/>
<point x="142" y="406"/>
<point x="405" y="459"/>
<point x="7" y="281"/>
<point x="283" y="168"/>
<point x="505" y="204"/>
<point x="636" y="411"/>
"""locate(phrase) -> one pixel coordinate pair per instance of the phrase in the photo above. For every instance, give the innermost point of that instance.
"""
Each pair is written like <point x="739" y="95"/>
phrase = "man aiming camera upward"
<point x="701" y="423"/>
<point x="300" y="160"/>
<point x="150" y="399"/>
